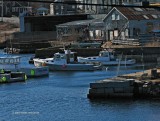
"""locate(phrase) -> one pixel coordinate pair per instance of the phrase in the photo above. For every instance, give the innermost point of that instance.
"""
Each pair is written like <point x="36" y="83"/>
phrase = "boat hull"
<point x="68" y="67"/>
<point x="107" y="63"/>
<point x="128" y="62"/>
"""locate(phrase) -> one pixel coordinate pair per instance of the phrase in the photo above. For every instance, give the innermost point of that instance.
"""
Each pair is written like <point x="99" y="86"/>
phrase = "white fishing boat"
<point x="10" y="64"/>
<point x="66" y="61"/>
<point x="106" y="57"/>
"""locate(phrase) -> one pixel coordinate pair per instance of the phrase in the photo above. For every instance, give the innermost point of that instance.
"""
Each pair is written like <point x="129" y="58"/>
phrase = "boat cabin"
<point x="66" y="57"/>
<point x="106" y="53"/>
<point x="10" y="60"/>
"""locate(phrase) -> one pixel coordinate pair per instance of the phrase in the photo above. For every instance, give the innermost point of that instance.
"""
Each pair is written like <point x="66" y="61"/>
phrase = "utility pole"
<point x="2" y="12"/>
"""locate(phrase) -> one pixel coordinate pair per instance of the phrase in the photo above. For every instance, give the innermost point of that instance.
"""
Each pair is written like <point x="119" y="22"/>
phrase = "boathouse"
<point x="121" y="23"/>
<point x="81" y="30"/>
<point x="91" y="29"/>
<point x="37" y="31"/>
<point x="130" y="22"/>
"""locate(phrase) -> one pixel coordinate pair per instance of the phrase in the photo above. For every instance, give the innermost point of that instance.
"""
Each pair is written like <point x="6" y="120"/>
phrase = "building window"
<point x="13" y="9"/>
<point x="13" y="3"/>
<point x="145" y="16"/>
<point x="113" y="17"/>
<point x="138" y="9"/>
<point x="117" y="17"/>
<point x="116" y="33"/>
<point x="114" y="2"/>
<point x="155" y="16"/>
<point x="73" y="7"/>
<point x="127" y="33"/>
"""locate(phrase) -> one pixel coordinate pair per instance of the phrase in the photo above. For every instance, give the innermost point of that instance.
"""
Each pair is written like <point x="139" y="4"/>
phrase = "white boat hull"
<point x="128" y="62"/>
<point x="71" y="67"/>
<point x="67" y="67"/>
<point x="107" y="63"/>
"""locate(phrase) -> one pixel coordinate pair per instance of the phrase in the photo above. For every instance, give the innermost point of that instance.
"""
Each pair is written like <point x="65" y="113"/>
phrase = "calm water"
<point x="63" y="97"/>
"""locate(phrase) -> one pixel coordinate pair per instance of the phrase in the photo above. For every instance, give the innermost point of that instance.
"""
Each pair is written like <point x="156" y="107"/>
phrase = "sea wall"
<point x="136" y="85"/>
<point x="147" y="54"/>
<point x="49" y="52"/>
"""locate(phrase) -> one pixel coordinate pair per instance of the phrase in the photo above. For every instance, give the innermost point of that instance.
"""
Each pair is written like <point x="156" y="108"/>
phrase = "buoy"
<point x="25" y="77"/>
<point x="4" y="79"/>
<point x="43" y="64"/>
<point x="32" y="72"/>
<point x="2" y="71"/>
<point x="64" y="66"/>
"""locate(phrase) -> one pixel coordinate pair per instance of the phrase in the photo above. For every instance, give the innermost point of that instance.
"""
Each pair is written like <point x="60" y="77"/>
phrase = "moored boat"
<point x="106" y="57"/>
<point x="12" y="64"/>
<point x="66" y="61"/>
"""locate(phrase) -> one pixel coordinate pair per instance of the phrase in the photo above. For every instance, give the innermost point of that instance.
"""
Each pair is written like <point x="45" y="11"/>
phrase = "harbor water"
<point x="62" y="96"/>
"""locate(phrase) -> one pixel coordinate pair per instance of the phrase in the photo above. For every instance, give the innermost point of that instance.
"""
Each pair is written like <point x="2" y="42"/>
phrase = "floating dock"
<point x="21" y="75"/>
<point x="35" y="71"/>
<point x="136" y="85"/>
<point x="12" y="77"/>
<point x="11" y="72"/>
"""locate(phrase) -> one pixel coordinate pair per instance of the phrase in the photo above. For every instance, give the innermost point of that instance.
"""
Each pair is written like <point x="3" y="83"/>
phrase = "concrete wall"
<point x="34" y="36"/>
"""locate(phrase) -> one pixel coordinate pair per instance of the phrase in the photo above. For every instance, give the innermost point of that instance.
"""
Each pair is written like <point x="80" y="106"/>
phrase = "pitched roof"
<point x="134" y="13"/>
<point x="42" y="9"/>
<point x="94" y="22"/>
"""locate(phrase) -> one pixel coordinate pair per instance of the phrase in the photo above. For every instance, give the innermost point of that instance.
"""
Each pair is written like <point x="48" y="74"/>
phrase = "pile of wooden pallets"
<point x="133" y="42"/>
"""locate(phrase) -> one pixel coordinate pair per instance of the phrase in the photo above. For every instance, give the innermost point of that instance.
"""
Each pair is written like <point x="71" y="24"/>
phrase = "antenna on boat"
<point x="125" y="62"/>
<point x="142" y="59"/>
<point x="11" y="45"/>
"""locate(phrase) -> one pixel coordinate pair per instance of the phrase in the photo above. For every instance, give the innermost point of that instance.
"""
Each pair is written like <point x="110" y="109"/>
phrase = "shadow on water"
<point x="63" y="73"/>
<point x="98" y="103"/>
<point x="124" y="103"/>
<point x="135" y="66"/>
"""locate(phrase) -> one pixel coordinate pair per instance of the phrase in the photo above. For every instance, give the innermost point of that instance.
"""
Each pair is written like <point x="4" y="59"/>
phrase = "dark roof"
<point x="93" y="22"/>
<point x="139" y="13"/>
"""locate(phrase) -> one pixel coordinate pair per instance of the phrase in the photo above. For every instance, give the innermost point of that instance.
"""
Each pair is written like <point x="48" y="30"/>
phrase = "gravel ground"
<point x="8" y="26"/>
<point x="13" y="20"/>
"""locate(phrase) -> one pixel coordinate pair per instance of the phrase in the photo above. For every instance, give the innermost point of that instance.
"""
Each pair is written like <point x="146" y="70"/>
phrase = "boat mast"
<point x="142" y="62"/>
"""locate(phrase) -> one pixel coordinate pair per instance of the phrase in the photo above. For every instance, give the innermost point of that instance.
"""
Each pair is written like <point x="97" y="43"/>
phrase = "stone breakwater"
<point x="136" y="85"/>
